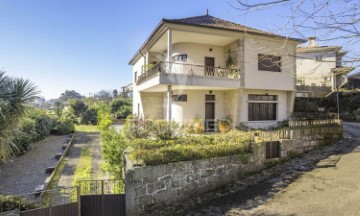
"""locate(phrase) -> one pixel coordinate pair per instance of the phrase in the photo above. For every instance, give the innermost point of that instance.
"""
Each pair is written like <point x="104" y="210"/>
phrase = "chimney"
<point x="312" y="42"/>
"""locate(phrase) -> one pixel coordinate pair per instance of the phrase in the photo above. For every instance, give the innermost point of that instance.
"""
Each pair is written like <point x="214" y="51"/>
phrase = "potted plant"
<point x="224" y="124"/>
<point x="198" y="125"/>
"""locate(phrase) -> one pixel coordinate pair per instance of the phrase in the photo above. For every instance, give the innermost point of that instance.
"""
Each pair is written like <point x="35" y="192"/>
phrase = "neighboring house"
<point x="127" y="90"/>
<point x="353" y="81"/>
<point x="319" y="69"/>
<point x="211" y="68"/>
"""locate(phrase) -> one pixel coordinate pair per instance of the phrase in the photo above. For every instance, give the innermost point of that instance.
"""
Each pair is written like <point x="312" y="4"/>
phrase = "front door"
<point x="209" y="116"/>
<point x="209" y="66"/>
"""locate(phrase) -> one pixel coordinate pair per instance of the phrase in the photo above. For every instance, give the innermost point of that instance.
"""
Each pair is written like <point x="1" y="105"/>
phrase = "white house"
<point x="319" y="69"/>
<point x="211" y="68"/>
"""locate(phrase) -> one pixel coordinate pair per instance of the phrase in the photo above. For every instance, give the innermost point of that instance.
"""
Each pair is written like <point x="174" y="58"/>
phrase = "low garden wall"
<point x="155" y="187"/>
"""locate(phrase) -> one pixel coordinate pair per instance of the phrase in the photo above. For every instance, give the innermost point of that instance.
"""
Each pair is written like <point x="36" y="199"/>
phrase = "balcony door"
<point x="209" y="66"/>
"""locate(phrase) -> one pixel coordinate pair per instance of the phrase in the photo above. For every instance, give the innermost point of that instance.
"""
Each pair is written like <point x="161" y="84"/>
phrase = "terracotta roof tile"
<point x="211" y="21"/>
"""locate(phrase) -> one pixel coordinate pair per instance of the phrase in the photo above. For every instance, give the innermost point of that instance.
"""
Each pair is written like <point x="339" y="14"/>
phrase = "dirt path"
<point x="27" y="171"/>
<point x="321" y="191"/>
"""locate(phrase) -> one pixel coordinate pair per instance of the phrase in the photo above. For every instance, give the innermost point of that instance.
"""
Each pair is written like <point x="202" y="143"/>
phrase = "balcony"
<point x="190" y="75"/>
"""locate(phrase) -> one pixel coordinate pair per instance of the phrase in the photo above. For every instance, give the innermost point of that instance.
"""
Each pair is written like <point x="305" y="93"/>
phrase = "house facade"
<point x="319" y="69"/>
<point x="210" y="68"/>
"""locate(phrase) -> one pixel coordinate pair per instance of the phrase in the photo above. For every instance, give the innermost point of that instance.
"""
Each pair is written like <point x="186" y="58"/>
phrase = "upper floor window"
<point x="269" y="63"/>
<point x="135" y="76"/>
<point x="179" y="98"/>
<point x="181" y="57"/>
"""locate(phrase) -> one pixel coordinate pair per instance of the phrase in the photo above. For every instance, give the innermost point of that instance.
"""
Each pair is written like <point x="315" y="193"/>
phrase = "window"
<point x="181" y="57"/>
<point x="209" y="97"/>
<point x="269" y="63"/>
<point x="179" y="98"/>
<point x="135" y="76"/>
<point x="262" y="107"/>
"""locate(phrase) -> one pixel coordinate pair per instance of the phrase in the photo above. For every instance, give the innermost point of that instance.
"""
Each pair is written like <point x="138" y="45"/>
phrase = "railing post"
<point x="78" y="199"/>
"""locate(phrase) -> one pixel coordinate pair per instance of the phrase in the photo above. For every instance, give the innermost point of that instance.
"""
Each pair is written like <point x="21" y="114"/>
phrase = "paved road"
<point x="321" y="191"/>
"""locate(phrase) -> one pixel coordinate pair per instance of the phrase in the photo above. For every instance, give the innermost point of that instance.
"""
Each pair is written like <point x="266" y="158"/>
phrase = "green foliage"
<point x="104" y="117"/>
<point x="70" y="94"/>
<point x="89" y="117"/>
<point x="8" y="203"/>
<point x="58" y="107"/>
<point x="123" y="112"/>
<point x="15" y="94"/>
<point x="77" y="107"/>
<point x="137" y="127"/>
<point x="152" y="152"/>
<point x="43" y="123"/>
<point x="165" y="130"/>
<point x="114" y="145"/>
<point x="117" y="104"/>
<point x="64" y="125"/>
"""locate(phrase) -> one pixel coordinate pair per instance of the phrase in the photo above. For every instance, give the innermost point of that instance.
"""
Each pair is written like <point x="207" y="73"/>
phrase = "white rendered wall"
<point x="196" y="53"/>
<point x="255" y="79"/>
<point x="313" y="71"/>
<point x="136" y="95"/>
<point x="195" y="105"/>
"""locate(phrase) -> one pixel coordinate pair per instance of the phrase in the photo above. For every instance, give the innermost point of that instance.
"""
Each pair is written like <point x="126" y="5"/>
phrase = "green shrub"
<point x="43" y="121"/>
<point x="165" y="130"/>
<point x="113" y="144"/>
<point x="89" y="117"/>
<point x="104" y="117"/>
<point x="8" y="203"/>
<point x="153" y="152"/>
<point x="123" y="112"/>
<point x="64" y="125"/>
<point x="137" y="127"/>
<point x="26" y="134"/>
<point x="116" y="104"/>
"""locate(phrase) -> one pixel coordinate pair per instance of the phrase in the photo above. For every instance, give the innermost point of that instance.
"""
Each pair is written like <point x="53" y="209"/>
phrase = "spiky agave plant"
<point x="15" y="94"/>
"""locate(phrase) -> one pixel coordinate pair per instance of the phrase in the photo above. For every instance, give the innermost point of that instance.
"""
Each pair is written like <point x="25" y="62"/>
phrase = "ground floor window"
<point x="262" y="107"/>
<point x="179" y="98"/>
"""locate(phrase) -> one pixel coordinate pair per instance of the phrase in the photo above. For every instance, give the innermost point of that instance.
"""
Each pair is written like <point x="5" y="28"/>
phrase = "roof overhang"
<point x="165" y="24"/>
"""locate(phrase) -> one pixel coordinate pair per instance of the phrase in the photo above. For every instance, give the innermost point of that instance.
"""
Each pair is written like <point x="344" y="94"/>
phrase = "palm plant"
<point x="15" y="93"/>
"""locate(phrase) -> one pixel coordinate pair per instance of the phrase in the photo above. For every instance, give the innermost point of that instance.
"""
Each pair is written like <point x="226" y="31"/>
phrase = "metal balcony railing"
<point x="163" y="68"/>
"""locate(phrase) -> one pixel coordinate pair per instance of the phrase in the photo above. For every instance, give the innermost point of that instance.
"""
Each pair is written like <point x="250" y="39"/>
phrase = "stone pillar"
<point x="169" y="103"/>
<point x="290" y="102"/>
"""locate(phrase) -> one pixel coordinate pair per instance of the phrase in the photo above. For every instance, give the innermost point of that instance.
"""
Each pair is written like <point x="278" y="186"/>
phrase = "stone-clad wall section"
<point x="155" y="187"/>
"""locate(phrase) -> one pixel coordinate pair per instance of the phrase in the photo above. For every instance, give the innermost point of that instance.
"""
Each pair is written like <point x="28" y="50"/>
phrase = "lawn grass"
<point x="83" y="168"/>
<point x="87" y="128"/>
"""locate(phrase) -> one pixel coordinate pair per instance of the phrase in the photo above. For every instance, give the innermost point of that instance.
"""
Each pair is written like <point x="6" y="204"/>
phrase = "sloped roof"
<point x="208" y="21"/>
<point x="211" y="21"/>
<point x="317" y="48"/>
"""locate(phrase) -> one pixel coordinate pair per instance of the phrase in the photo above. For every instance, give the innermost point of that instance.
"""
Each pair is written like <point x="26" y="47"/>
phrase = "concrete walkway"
<point x="82" y="140"/>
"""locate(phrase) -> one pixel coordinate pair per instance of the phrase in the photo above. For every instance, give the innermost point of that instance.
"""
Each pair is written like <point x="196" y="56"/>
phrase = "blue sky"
<point x="85" y="45"/>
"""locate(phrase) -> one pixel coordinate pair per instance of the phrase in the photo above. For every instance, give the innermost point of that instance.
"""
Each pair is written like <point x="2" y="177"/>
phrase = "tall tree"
<point x="70" y="94"/>
<point x="15" y="94"/>
<point x="115" y="93"/>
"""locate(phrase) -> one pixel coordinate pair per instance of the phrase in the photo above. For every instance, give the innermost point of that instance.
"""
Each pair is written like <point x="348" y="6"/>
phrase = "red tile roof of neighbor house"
<point x="208" y="21"/>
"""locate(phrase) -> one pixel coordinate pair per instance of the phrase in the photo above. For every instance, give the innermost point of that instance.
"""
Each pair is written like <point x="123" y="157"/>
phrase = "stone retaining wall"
<point x="155" y="187"/>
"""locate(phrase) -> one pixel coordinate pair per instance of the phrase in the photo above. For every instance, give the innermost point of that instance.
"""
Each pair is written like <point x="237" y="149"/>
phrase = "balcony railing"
<point x="163" y="68"/>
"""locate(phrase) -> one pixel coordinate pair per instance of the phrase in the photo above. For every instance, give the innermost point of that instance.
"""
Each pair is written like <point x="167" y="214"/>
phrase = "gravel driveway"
<point x="25" y="172"/>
